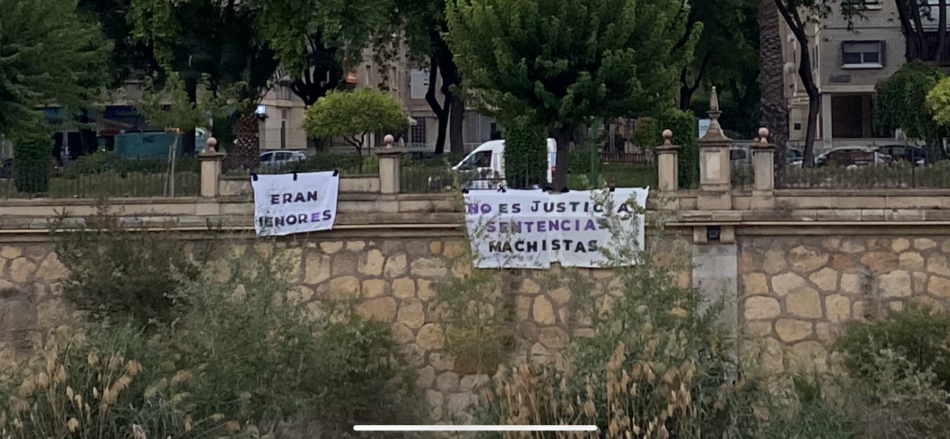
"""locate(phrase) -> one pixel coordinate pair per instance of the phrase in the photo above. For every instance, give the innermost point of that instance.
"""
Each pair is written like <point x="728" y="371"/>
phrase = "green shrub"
<point x="646" y="135"/>
<point x="118" y="271"/>
<point x="108" y="161"/>
<point x="683" y="125"/>
<point x="917" y="334"/>
<point x="33" y="158"/>
<point x="526" y="156"/>
<point x="244" y="335"/>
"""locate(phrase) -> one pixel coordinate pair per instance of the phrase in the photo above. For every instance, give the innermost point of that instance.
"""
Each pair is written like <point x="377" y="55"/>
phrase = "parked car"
<point x="485" y="166"/>
<point x="794" y="158"/>
<point x="851" y="156"/>
<point x="277" y="159"/>
<point x="913" y="154"/>
<point x="740" y="157"/>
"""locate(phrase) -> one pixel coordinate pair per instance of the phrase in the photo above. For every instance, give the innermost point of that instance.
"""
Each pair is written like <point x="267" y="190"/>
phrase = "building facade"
<point x="848" y="63"/>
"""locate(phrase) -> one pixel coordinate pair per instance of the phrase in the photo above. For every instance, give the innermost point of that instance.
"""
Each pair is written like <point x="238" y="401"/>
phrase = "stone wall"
<point x="394" y="280"/>
<point x="796" y="291"/>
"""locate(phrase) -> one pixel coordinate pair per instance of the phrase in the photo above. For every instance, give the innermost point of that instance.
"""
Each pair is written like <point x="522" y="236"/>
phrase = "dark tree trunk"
<point x="456" y="121"/>
<point x="562" y="136"/>
<point x="794" y="21"/>
<point x="188" y="137"/>
<point x="440" y="110"/>
<point x="452" y="78"/>
<point x="686" y="89"/>
<point x="771" y="79"/>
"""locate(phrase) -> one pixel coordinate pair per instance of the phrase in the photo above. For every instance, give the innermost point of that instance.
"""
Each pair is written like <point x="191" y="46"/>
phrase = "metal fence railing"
<point x="893" y="175"/>
<point x="94" y="178"/>
<point x="627" y="158"/>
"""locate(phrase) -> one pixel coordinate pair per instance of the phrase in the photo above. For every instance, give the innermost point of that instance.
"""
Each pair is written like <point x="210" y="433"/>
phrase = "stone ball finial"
<point x="389" y="140"/>
<point x="667" y="136"/>
<point x="763" y="133"/>
<point x="212" y="143"/>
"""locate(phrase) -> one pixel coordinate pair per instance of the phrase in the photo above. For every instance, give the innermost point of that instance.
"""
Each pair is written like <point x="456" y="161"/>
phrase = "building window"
<point x="417" y="133"/>
<point x="862" y="54"/>
<point x="861" y="5"/>
<point x="283" y="92"/>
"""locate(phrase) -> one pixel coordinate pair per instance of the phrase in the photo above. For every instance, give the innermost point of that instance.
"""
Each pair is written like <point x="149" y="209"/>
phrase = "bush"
<point x="108" y="161"/>
<point x="244" y="335"/>
<point x="241" y="360"/>
<point x="102" y="383"/>
<point x="916" y="334"/>
<point x="683" y="125"/>
<point x="656" y="363"/>
<point x="526" y="155"/>
<point x="118" y="272"/>
<point x="33" y="158"/>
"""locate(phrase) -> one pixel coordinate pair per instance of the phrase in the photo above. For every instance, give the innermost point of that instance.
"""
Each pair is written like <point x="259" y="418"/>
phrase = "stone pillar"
<point x="667" y="163"/>
<point x="764" y="163"/>
<point x="715" y="174"/>
<point x="389" y="165"/>
<point x="210" y="169"/>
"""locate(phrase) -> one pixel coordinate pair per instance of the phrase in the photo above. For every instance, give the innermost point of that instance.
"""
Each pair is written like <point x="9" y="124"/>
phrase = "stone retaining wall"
<point x="796" y="291"/>
<point x="395" y="280"/>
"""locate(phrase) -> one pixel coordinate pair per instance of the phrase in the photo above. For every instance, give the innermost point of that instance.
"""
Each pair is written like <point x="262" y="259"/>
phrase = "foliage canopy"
<point x="48" y="55"/>
<point x="351" y="114"/>
<point x="561" y="63"/>
<point x="901" y="102"/>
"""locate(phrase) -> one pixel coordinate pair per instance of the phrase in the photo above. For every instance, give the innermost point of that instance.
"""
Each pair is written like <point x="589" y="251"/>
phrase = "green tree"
<point x="938" y="100"/>
<point x="726" y="50"/>
<point x="214" y="40"/>
<point x="901" y="102"/>
<point x="49" y="55"/>
<point x="318" y="41"/>
<point x="354" y="114"/>
<point x="561" y="64"/>
<point x="166" y="103"/>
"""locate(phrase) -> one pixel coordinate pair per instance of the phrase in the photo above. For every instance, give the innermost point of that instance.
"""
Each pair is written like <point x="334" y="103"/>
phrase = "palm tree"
<point x="771" y="79"/>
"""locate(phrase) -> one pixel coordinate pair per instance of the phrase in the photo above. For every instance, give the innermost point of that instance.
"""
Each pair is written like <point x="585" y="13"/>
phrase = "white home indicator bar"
<point x="475" y="428"/>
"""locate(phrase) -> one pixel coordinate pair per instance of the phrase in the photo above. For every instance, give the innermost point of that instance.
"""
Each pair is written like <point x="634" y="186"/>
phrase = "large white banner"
<point x="285" y="204"/>
<point x="532" y="229"/>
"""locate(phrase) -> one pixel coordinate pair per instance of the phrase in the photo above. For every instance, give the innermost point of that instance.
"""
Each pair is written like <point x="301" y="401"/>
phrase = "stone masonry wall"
<point x="394" y="279"/>
<point x="795" y="292"/>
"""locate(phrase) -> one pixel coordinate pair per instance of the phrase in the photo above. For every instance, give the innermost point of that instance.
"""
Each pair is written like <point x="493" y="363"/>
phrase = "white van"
<point x="486" y="164"/>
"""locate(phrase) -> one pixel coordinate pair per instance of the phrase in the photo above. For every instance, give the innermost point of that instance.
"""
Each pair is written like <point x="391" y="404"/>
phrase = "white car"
<point x="277" y="159"/>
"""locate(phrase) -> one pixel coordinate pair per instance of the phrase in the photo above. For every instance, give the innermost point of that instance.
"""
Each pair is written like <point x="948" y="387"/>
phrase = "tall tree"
<point x="774" y="106"/>
<point x="918" y="41"/>
<point x="212" y="38"/>
<point x="564" y="63"/>
<point x="723" y="45"/>
<point x="318" y="41"/>
<point x="426" y="27"/>
<point x="797" y="14"/>
<point x="49" y="55"/>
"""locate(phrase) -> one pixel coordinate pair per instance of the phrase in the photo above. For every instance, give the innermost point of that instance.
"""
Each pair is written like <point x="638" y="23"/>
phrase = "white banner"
<point x="285" y="204"/>
<point x="532" y="229"/>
